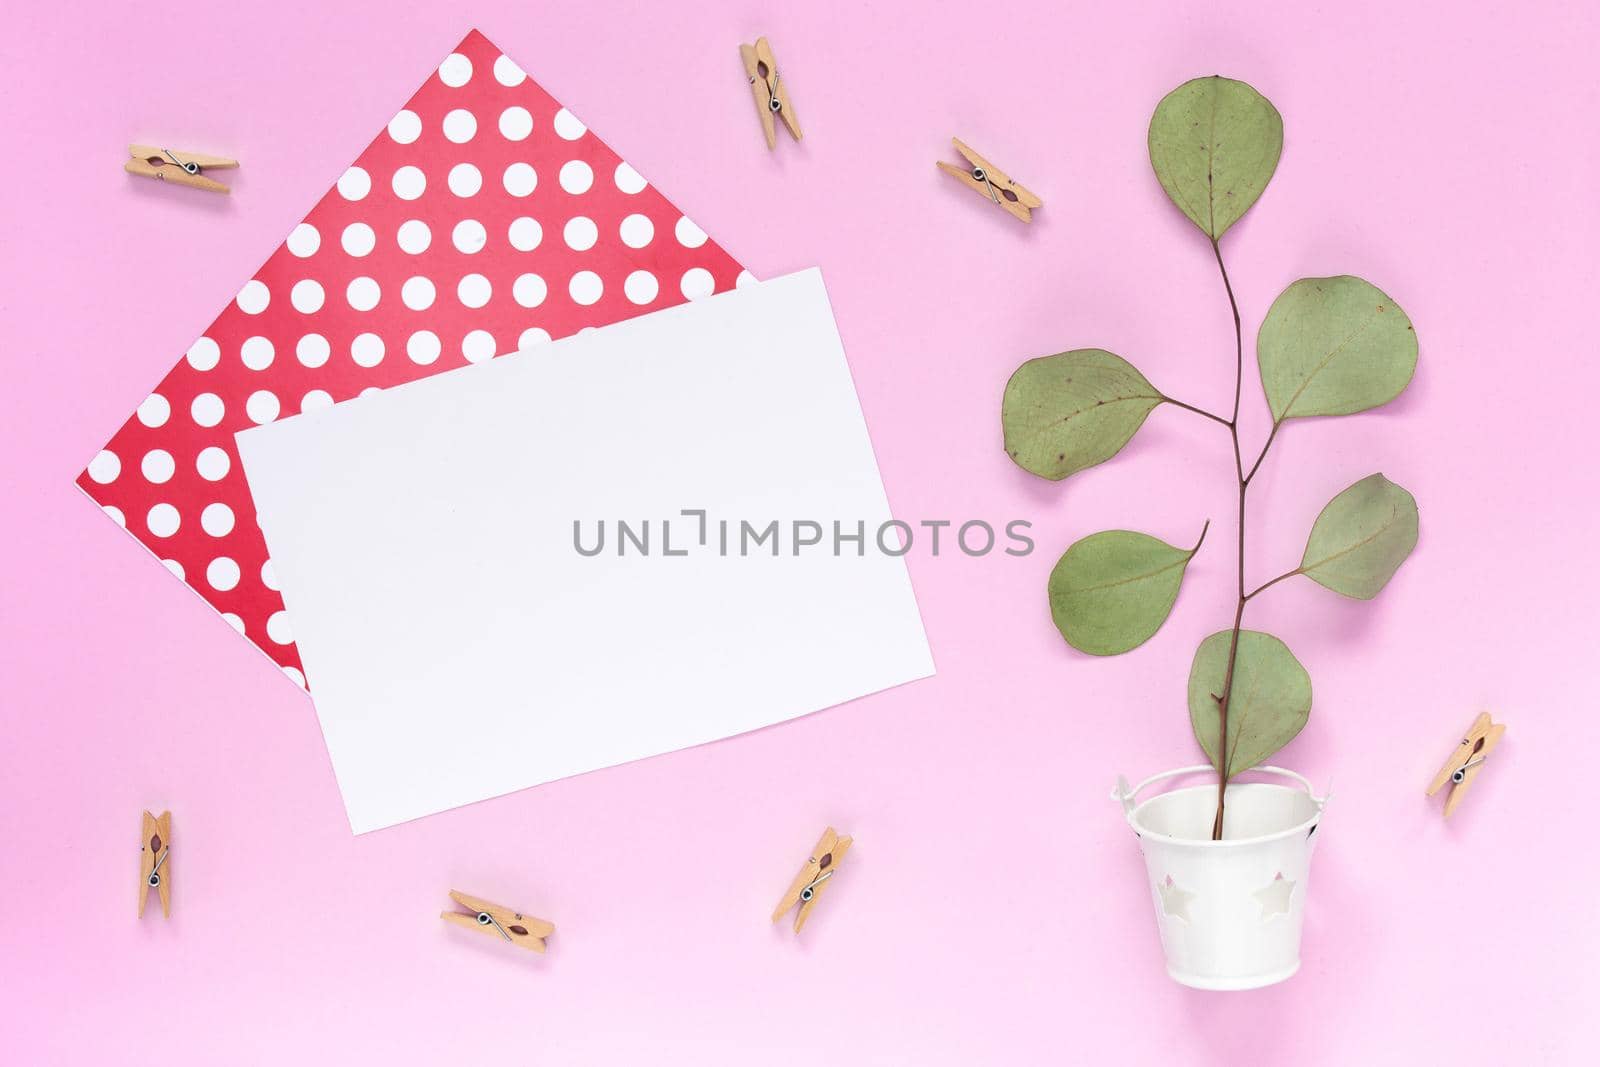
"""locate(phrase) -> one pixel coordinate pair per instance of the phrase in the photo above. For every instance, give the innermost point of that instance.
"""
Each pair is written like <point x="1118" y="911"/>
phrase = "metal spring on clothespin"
<point x="979" y="174"/>
<point x="811" y="890"/>
<point x="155" y="874"/>
<point x="188" y="168"/>
<point x="1461" y="772"/>
<point x="485" y="919"/>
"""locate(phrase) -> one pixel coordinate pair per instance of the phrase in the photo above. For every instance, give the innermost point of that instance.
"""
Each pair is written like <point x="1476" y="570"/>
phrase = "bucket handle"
<point x="1124" y="795"/>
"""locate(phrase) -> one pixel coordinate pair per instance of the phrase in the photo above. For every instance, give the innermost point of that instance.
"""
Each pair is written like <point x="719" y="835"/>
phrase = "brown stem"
<point x="1257" y="465"/>
<point x="1224" y="758"/>
<point x="1197" y="411"/>
<point x="1238" y="614"/>
<point x="1264" y="586"/>
<point x="1222" y="708"/>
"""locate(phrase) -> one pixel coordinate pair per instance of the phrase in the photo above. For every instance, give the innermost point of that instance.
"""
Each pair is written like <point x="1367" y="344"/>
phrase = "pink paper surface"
<point x="992" y="909"/>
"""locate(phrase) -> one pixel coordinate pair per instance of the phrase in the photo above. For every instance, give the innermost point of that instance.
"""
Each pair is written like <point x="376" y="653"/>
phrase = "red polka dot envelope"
<point x="484" y="219"/>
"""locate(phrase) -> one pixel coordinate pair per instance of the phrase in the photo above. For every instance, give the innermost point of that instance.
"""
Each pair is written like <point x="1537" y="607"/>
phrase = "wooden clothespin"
<point x="992" y="182"/>
<point x="1467" y="760"/>
<point x="813" y="877"/>
<point x="181" y="168"/>
<point x="519" y="929"/>
<point x="770" y="93"/>
<point x="155" y="868"/>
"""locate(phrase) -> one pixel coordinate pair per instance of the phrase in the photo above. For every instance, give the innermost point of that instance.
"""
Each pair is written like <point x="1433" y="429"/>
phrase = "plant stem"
<point x="1223" y="756"/>
<point x="1197" y="411"/>
<point x="1257" y="465"/>
<point x="1268" y="585"/>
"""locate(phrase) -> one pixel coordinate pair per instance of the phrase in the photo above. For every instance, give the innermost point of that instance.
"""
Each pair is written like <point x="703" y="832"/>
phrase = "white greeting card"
<point x="436" y="545"/>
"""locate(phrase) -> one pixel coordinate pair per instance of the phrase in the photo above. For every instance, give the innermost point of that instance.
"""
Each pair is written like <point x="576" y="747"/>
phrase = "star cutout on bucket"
<point x="1275" y="898"/>
<point x="1174" y="901"/>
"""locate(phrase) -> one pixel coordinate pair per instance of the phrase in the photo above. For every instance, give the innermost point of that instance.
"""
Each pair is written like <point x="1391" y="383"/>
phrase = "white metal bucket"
<point x="1229" y="911"/>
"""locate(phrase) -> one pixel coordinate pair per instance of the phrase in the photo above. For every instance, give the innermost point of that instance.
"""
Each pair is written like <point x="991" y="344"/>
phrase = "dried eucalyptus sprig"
<point x="1328" y="346"/>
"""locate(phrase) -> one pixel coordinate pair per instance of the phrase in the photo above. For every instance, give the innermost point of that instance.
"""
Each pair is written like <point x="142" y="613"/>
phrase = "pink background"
<point x="993" y="908"/>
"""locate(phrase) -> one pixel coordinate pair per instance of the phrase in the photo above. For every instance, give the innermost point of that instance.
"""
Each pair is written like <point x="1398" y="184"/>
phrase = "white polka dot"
<point x="456" y="70"/>
<point x="253" y="298"/>
<point x="304" y="240"/>
<point x="417" y="293"/>
<point x="529" y="290"/>
<point x="515" y="123"/>
<point x="576" y="176"/>
<point x="155" y="410"/>
<point x="525" y="234"/>
<point x="206" y="409"/>
<point x="460" y="126"/>
<point x="363" y="293"/>
<point x="629" y="180"/>
<point x="580" y="233"/>
<point x="262" y="406"/>
<point x="371" y="390"/>
<point x="269" y="577"/>
<point x="294" y="675"/>
<point x="233" y="620"/>
<point x="204" y="354"/>
<point x="637" y="231"/>
<point x="212" y="463"/>
<point x="520" y="179"/>
<point x="474" y="290"/>
<point x="414" y="237"/>
<point x="157" y="466"/>
<point x="469" y="236"/>
<point x="307" y="296"/>
<point x="689" y="235"/>
<point x="745" y="278"/>
<point x="478" y="346"/>
<point x="116" y="515"/>
<point x="278" y="628"/>
<point x="423" y="347"/>
<point x="465" y="179"/>
<point x="316" y="400"/>
<point x="163" y="520"/>
<point x="641" y="287"/>
<point x="312" y="350"/>
<point x="408" y="182"/>
<point x="354" y="184"/>
<point x="567" y="125"/>
<point x="174" y="566"/>
<point x="507" y="73"/>
<point x="405" y="127"/>
<point x="104" y="467"/>
<point x="223" y="574"/>
<point x="256" y="353"/>
<point x="358" y="239"/>
<point x="697" y="282"/>
<point x="217" y="520"/>
<point x="585" y="287"/>
<point x="367" y="350"/>
<point x="532" y="337"/>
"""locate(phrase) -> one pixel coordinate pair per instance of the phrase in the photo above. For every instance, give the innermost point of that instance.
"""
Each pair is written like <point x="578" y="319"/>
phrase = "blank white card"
<point x="457" y="643"/>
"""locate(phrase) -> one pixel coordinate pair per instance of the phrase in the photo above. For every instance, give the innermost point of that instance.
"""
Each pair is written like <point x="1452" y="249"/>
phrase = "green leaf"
<point x="1112" y="590"/>
<point x="1214" y="143"/>
<point x="1334" y="346"/>
<point x="1361" y="538"/>
<point x="1069" y="411"/>
<point x="1270" y="702"/>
